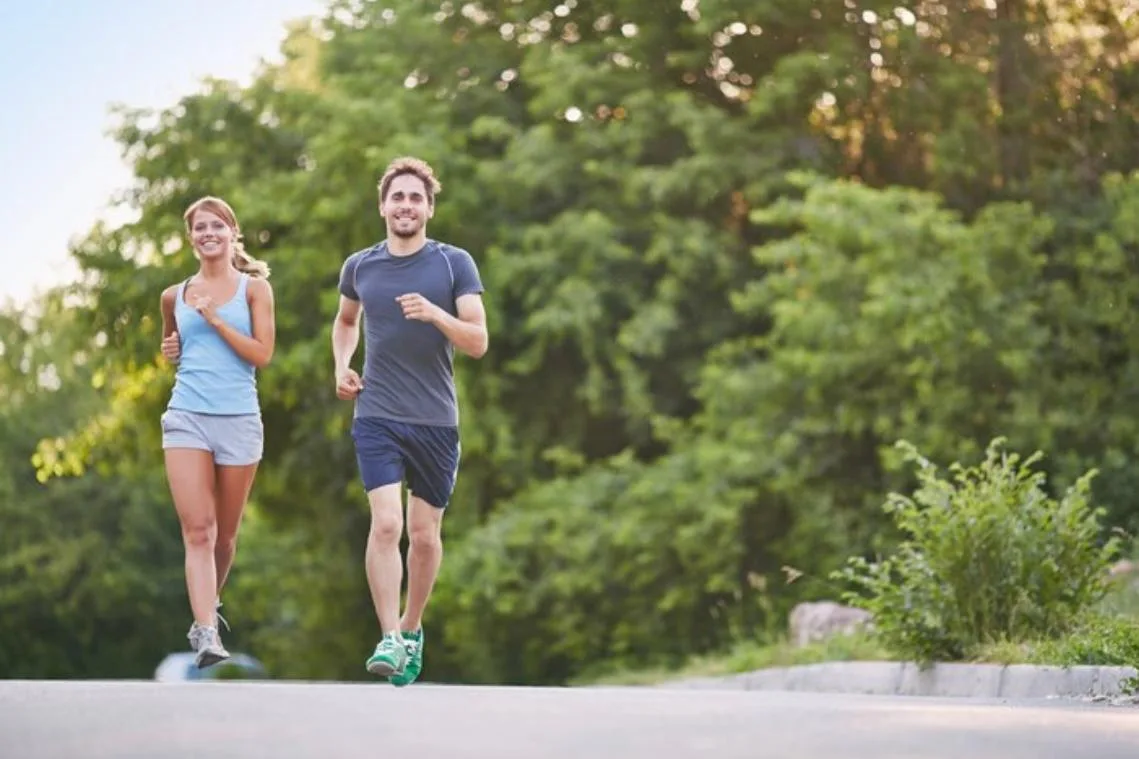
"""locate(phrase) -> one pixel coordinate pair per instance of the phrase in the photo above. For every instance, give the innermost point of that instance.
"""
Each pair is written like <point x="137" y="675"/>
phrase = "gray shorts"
<point x="234" y="440"/>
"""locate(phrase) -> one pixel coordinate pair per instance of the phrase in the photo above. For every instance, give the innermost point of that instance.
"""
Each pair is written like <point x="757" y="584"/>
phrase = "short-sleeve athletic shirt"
<point x="408" y="364"/>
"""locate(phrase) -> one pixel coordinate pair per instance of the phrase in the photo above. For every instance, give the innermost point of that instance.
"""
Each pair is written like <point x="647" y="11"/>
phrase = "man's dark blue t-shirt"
<point x="408" y="364"/>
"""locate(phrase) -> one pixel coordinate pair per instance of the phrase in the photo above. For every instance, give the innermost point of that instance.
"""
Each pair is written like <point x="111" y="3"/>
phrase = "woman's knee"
<point x="226" y="542"/>
<point x="200" y="533"/>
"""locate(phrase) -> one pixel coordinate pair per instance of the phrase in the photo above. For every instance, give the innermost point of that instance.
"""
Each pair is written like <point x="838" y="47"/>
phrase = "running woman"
<point x="219" y="328"/>
<point x="421" y="300"/>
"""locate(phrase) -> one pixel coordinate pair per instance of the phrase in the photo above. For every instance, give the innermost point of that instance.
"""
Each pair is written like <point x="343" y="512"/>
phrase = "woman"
<point x="218" y="327"/>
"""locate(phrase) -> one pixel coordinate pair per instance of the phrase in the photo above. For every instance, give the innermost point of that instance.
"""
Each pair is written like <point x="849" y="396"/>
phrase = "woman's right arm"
<point x="171" y="346"/>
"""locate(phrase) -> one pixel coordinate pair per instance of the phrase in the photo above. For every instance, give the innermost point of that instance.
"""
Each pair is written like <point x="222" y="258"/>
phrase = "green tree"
<point x="82" y="560"/>
<point x="698" y="363"/>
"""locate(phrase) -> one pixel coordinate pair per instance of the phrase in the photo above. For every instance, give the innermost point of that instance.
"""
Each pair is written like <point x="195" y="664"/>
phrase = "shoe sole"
<point x="382" y="669"/>
<point x="404" y="678"/>
<point x="209" y="659"/>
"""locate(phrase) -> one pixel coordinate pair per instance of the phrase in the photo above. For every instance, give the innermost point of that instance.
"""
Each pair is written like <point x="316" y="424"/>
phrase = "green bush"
<point x="1098" y="640"/>
<point x="626" y="566"/>
<point x="986" y="556"/>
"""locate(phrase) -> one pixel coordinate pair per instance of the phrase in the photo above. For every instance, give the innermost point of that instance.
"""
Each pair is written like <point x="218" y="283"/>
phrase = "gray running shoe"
<point x="206" y="643"/>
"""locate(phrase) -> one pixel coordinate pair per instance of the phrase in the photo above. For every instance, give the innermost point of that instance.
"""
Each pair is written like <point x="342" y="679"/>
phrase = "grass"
<point x="1102" y="641"/>
<point x="748" y="657"/>
<point x="1109" y="636"/>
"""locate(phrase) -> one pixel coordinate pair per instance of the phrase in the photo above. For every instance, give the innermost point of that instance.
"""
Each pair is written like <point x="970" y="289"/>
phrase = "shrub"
<point x="986" y="555"/>
<point x="1100" y="640"/>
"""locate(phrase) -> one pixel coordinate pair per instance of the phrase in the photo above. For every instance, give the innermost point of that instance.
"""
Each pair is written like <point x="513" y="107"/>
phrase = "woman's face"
<point x="210" y="236"/>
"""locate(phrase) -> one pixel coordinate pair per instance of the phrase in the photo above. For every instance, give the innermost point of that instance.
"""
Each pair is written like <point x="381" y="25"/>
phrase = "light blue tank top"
<point x="211" y="378"/>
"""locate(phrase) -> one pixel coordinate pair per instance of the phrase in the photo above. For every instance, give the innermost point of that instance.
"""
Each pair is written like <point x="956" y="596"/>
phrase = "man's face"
<point x="406" y="209"/>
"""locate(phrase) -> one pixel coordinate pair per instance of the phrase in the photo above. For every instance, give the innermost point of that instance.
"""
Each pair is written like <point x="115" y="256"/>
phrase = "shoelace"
<point x="393" y="643"/>
<point x="201" y="636"/>
<point x="221" y="619"/>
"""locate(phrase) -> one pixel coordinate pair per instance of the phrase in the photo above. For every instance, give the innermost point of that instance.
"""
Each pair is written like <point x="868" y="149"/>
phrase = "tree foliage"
<point x="733" y="251"/>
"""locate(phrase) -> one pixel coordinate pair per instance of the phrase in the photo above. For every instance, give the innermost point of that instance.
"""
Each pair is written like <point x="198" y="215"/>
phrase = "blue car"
<point x="180" y="667"/>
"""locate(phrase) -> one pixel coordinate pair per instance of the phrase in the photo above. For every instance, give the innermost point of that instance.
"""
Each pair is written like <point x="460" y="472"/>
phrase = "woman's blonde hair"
<point x="242" y="261"/>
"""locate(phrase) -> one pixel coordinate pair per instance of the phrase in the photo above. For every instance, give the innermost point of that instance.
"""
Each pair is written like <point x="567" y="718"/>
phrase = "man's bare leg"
<point x="424" y="556"/>
<point x="384" y="566"/>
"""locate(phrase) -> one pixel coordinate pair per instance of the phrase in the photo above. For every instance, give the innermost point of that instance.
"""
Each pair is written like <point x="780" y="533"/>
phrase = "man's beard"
<point x="407" y="234"/>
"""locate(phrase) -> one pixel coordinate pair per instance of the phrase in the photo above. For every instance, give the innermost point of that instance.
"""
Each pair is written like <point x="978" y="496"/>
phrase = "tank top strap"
<point x="180" y="298"/>
<point x="242" y="287"/>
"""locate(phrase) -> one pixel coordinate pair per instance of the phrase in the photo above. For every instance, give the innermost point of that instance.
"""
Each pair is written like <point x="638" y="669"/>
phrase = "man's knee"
<point x="424" y="524"/>
<point x="385" y="531"/>
<point x="387" y="517"/>
<point x="425" y="537"/>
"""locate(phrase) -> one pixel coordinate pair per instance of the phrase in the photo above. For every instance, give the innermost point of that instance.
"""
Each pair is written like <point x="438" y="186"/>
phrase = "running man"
<point x="218" y="328"/>
<point x="420" y="299"/>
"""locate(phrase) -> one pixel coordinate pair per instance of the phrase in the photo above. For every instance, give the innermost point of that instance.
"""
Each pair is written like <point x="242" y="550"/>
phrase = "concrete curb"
<point x="947" y="680"/>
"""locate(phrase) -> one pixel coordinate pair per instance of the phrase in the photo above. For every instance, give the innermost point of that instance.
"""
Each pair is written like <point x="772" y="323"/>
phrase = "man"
<point x="421" y="300"/>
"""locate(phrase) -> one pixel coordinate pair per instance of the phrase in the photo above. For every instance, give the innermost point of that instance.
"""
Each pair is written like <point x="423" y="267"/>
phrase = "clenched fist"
<point x="348" y="385"/>
<point x="205" y="306"/>
<point x="415" y="306"/>
<point x="172" y="347"/>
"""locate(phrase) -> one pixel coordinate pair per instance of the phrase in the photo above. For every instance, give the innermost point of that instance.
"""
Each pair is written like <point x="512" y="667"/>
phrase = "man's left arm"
<point x="466" y="331"/>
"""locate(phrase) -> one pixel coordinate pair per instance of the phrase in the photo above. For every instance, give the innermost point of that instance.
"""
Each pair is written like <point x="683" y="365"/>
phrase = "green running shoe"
<point x="414" y="643"/>
<point x="389" y="657"/>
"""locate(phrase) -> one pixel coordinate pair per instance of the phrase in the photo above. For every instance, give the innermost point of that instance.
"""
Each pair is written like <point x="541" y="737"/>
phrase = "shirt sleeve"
<point x="348" y="277"/>
<point x="467" y="279"/>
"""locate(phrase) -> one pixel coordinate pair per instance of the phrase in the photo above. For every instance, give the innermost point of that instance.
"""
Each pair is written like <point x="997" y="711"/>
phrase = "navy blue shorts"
<point x="425" y="455"/>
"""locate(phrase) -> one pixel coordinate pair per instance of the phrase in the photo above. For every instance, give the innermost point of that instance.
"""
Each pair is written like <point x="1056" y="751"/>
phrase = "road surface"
<point x="125" y="720"/>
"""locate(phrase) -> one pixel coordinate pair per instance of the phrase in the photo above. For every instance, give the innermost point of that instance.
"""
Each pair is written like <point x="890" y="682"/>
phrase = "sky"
<point x="63" y="63"/>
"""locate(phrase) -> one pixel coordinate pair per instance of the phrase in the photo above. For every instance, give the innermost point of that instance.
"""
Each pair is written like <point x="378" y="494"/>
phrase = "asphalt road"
<point x="124" y="720"/>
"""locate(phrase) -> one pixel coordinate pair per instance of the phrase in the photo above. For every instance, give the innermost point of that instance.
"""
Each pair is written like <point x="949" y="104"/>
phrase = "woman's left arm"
<point x="258" y="349"/>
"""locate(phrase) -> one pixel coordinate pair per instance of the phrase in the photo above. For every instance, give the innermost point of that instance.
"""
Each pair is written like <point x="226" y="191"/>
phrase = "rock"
<point x="814" y="621"/>
<point x="1123" y="567"/>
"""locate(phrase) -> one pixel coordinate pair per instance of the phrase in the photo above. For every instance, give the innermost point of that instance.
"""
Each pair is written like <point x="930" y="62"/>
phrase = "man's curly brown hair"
<point x="410" y="165"/>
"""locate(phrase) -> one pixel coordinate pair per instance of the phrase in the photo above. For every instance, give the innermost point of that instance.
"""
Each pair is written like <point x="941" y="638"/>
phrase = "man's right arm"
<point x="346" y="325"/>
<point x="345" y="334"/>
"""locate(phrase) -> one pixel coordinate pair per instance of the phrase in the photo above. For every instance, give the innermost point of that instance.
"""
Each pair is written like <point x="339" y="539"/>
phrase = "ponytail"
<point x="246" y="263"/>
